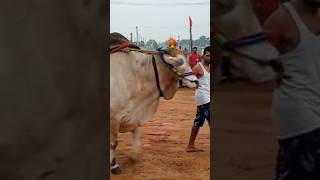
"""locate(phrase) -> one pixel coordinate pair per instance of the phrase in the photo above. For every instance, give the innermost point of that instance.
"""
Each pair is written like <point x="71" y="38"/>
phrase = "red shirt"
<point x="194" y="58"/>
<point x="267" y="7"/>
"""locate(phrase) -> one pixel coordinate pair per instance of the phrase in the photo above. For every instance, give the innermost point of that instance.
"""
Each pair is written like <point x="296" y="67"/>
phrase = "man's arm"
<point x="273" y="26"/>
<point x="197" y="71"/>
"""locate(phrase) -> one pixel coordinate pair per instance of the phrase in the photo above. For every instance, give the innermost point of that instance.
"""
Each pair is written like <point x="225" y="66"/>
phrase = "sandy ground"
<point x="245" y="146"/>
<point x="164" y="141"/>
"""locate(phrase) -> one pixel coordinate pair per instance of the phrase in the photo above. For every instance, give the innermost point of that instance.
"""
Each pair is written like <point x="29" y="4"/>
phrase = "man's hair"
<point x="194" y="48"/>
<point x="207" y="49"/>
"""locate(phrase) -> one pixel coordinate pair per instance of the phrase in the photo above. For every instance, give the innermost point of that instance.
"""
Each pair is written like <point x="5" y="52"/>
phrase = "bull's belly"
<point x="129" y="110"/>
<point x="132" y="117"/>
<point x="133" y="120"/>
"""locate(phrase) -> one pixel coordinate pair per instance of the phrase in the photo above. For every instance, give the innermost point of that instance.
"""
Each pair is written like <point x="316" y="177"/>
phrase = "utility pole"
<point x="137" y="35"/>
<point x="131" y="36"/>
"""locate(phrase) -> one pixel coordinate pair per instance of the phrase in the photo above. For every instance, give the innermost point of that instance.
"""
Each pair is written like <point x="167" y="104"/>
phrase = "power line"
<point x="166" y="27"/>
<point x="160" y="4"/>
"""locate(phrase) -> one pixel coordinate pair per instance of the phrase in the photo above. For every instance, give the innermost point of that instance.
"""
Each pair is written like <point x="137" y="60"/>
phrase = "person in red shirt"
<point x="194" y="57"/>
<point x="264" y="8"/>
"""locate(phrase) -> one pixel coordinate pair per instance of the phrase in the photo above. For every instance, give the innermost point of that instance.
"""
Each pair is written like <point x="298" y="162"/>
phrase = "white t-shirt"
<point x="203" y="91"/>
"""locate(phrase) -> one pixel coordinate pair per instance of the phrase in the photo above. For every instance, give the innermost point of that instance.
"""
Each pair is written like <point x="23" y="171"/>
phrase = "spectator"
<point x="194" y="57"/>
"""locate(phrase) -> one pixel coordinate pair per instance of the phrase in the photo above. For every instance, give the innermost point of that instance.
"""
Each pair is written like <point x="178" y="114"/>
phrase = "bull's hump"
<point x="117" y="40"/>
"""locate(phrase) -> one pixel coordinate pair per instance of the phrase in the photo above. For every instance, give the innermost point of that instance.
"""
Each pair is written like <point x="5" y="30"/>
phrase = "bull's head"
<point x="179" y="64"/>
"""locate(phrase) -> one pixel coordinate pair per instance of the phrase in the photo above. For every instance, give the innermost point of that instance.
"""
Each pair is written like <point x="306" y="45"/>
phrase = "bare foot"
<point x="193" y="149"/>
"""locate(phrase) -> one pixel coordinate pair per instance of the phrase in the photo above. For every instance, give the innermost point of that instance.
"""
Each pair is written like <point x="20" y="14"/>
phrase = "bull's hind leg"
<point x="136" y="143"/>
<point x="115" y="169"/>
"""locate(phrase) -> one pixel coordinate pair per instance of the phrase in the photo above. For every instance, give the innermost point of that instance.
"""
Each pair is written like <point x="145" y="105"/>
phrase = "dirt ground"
<point x="164" y="141"/>
<point x="244" y="145"/>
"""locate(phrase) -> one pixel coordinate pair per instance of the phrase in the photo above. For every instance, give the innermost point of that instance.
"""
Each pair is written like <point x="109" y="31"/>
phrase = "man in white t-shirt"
<point x="296" y="100"/>
<point x="202" y="71"/>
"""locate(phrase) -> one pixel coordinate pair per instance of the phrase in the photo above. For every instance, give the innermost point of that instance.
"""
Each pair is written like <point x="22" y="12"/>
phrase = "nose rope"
<point x="233" y="45"/>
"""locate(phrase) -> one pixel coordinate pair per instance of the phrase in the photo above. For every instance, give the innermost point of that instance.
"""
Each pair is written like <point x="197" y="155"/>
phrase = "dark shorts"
<point x="299" y="157"/>
<point x="203" y="112"/>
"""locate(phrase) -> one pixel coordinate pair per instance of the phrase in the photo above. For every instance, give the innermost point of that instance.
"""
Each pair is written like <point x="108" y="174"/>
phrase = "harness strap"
<point x="230" y="45"/>
<point x="156" y="75"/>
<point x="122" y="46"/>
<point x="161" y="53"/>
<point x="186" y="74"/>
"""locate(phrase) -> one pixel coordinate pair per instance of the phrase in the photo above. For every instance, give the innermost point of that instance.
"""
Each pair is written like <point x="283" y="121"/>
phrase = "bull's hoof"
<point x="115" y="169"/>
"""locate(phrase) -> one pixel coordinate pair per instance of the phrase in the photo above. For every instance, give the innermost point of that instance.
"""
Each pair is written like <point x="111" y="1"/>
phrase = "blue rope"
<point x="243" y="41"/>
<point x="161" y="53"/>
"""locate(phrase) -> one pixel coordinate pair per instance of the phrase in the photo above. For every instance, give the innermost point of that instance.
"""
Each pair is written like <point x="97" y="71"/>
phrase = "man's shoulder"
<point x="197" y="68"/>
<point x="278" y="17"/>
<point x="279" y="22"/>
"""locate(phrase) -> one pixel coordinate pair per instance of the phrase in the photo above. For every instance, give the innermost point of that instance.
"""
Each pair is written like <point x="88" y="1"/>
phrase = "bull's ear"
<point x="174" y="61"/>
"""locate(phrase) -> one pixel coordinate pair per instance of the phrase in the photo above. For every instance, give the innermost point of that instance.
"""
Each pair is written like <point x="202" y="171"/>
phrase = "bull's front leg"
<point x="136" y="143"/>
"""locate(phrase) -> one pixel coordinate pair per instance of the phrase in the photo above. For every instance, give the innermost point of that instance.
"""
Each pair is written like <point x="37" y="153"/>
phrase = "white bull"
<point x="236" y="19"/>
<point x="134" y="94"/>
<point x="52" y="119"/>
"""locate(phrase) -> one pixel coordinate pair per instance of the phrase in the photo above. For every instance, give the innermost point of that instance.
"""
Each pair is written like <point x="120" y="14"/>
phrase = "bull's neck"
<point x="146" y="80"/>
<point x="168" y="79"/>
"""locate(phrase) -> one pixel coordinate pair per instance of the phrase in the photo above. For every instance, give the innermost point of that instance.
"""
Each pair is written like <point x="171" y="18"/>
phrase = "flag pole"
<point x="190" y="26"/>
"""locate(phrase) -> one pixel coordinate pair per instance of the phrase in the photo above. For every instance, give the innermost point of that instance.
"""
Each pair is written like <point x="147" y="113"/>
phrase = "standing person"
<point x="202" y="71"/>
<point x="194" y="57"/>
<point x="296" y="102"/>
<point x="185" y="52"/>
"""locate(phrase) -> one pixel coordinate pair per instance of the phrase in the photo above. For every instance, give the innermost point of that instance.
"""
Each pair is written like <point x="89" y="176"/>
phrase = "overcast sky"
<point x="158" y="20"/>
